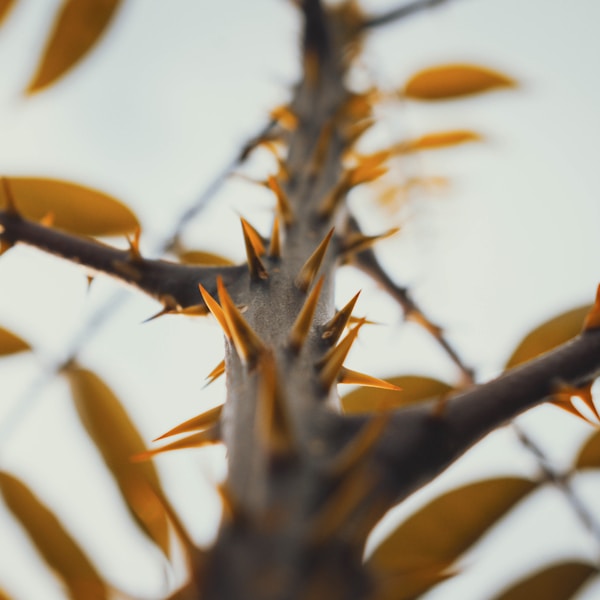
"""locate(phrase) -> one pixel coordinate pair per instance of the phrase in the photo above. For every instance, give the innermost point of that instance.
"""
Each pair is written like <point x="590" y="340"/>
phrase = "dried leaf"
<point x="53" y="542"/>
<point x="78" y="26"/>
<point x="5" y="7"/>
<point x="11" y="344"/>
<point x="448" y="526"/>
<point x="75" y="208"/>
<point x="589" y="455"/>
<point x="414" y="389"/>
<point x="558" y="582"/>
<point x="433" y="141"/>
<point x="199" y="257"/>
<point x="550" y="334"/>
<point x="454" y="81"/>
<point x="117" y="440"/>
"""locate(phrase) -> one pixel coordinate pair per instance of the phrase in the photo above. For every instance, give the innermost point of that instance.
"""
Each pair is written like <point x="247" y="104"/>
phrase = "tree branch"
<point x="401" y="12"/>
<point x="172" y="284"/>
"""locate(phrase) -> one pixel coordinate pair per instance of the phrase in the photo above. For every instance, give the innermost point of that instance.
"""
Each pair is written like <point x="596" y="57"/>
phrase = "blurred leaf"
<point x="549" y="335"/>
<point x="454" y="81"/>
<point x="56" y="546"/>
<point x="5" y="6"/>
<point x="11" y="344"/>
<point x="78" y="26"/>
<point x="433" y="141"/>
<point x="559" y="582"/>
<point x="449" y="525"/>
<point x="117" y="439"/>
<point x="589" y="455"/>
<point x="73" y="208"/>
<point x="410" y="584"/>
<point x="414" y="389"/>
<point x="199" y="257"/>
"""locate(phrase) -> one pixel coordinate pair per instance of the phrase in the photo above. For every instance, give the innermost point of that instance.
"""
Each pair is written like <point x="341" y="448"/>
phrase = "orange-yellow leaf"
<point x="558" y="582"/>
<point x="414" y="389"/>
<point x="78" y="26"/>
<point x="52" y="541"/>
<point x="117" y="439"/>
<point x="449" y="525"/>
<point x="5" y="6"/>
<point x="454" y="81"/>
<point x="75" y="208"/>
<point x="550" y="334"/>
<point x="199" y="257"/>
<point x="589" y="455"/>
<point x="11" y="344"/>
<point x="433" y="141"/>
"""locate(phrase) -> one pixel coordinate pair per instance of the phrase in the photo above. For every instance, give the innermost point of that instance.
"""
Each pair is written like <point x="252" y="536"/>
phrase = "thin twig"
<point x="401" y="12"/>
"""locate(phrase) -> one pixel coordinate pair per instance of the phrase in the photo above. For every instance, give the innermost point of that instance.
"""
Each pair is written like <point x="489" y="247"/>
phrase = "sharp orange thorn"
<point x="334" y="198"/>
<point x="255" y="265"/>
<point x="564" y="393"/>
<point x="48" y="219"/>
<point x="196" y="440"/>
<point x="335" y="327"/>
<point x="301" y="327"/>
<point x="216" y="373"/>
<point x="248" y="345"/>
<point x="275" y="246"/>
<point x="166" y="310"/>
<point x="568" y="406"/>
<point x="283" y="204"/>
<point x="356" y="130"/>
<point x="331" y="364"/>
<point x="202" y="421"/>
<point x="255" y="237"/>
<point x="357" y="242"/>
<point x="134" y="245"/>
<point x="354" y="377"/>
<point x="309" y="270"/>
<point x="216" y="310"/>
<point x="285" y="117"/>
<point x="592" y="320"/>
<point x="196" y="310"/>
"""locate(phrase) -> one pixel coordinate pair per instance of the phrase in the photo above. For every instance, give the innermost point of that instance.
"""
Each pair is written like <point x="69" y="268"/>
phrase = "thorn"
<point x="127" y="269"/>
<point x="331" y="364"/>
<point x="216" y="310"/>
<point x="354" y="377"/>
<point x="4" y="246"/>
<point x="195" y="310"/>
<point x="196" y="440"/>
<point x="165" y="310"/>
<point x="275" y="246"/>
<point x="216" y="373"/>
<point x="592" y="320"/>
<point x="255" y="238"/>
<point x="90" y="280"/>
<point x="11" y="205"/>
<point x="301" y="326"/>
<point x="311" y="267"/>
<point x="356" y="130"/>
<point x="283" y="203"/>
<point x="202" y="421"/>
<point x="334" y="198"/>
<point x="273" y="147"/>
<point x="48" y="219"/>
<point x="357" y="242"/>
<point x="564" y="393"/>
<point x="255" y="265"/>
<point x="321" y="148"/>
<point x="285" y="117"/>
<point x="228" y="504"/>
<point x="273" y="422"/>
<point x="335" y="327"/>
<point x="248" y="345"/>
<point x="134" y="246"/>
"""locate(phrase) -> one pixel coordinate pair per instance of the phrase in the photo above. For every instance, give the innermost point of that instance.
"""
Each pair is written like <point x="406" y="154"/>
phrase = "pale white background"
<point x="159" y="108"/>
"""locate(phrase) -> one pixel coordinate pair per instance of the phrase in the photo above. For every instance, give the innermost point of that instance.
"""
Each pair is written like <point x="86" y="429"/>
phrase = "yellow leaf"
<point x="74" y="208"/>
<point x="414" y="389"/>
<point x="78" y="26"/>
<point x="558" y="582"/>
<point x="11" y="344"/>
<point x="433" y="141"/>
<point x="454" y="81"/>
<point x="550" y="334"/>
<point x="5" y="6"/>
<point x="199" y="257"/>
<point x="589" y="455"/>
<point x="55" y="545"/>
<point x="448" y="526"/>
<point x="117" y="439"/>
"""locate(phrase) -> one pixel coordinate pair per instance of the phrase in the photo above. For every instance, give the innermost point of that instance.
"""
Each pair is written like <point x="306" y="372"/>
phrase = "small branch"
<point x="421" y="441"/>
<point x="400" y="13"/>
<point x="170" y="283"/>
<point x="367" y="262"/>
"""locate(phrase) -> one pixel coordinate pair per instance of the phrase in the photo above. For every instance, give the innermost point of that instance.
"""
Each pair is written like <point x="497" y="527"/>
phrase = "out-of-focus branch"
<point x="396" y="14"/>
